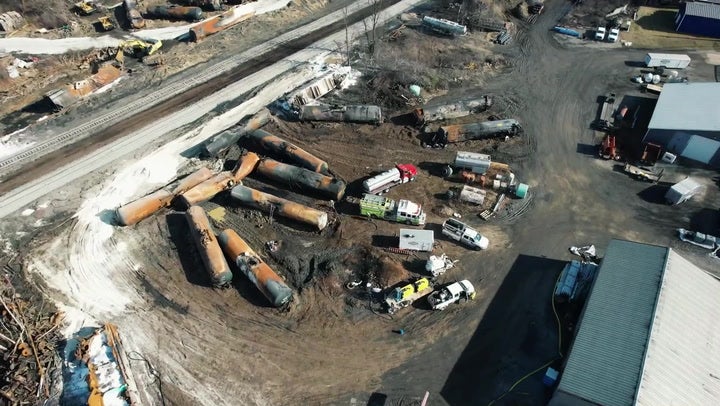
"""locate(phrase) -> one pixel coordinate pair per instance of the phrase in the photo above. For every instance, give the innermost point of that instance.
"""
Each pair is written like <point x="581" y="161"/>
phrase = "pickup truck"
<point x="457" y="292"/>
<point x="464" y="234"/>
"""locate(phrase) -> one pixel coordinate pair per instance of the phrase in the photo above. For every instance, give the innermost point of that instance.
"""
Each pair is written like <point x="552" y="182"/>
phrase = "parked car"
<point x="613" y="35"/>
<point x="600" y="34"/>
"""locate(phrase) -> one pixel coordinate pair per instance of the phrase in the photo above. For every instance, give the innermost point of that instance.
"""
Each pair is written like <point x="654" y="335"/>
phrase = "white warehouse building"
<point x="686" y="121"/>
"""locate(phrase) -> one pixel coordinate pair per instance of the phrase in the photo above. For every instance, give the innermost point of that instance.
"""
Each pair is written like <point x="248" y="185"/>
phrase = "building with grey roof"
<point x="699" y="18"/>
<point x="648" y="334"/>
<point x="686" y="121"/>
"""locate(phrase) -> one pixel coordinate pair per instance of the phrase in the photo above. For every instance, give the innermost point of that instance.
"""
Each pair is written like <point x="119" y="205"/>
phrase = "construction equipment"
<point x="651" y="154"/>
<point x="380" y="207"/>
<point x="85" y="7"/>
<point x="603" y="122"/>
<point x="137" y="48"/>
<point x="608" y="149"/>
<point x="105" y="23"/>
<point x="438" y="265"/>
<point x="464" y="234"/>
<point x="381" y="183"/>
<point x="458" y="292"/>
<point x="641" y="173"/>
<point x="404" y="296"/>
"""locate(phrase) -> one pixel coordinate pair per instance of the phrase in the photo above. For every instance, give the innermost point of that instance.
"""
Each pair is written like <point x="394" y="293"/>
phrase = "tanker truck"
<point x="381" y="183"/>
<point x="475" y="131"/>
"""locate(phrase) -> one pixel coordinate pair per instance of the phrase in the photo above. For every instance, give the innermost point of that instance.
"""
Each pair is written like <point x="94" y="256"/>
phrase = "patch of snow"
<point x="16" y="132"/>
<point x="43" y="118"/>
<point x="108" y="86"/>
<point x="44" y="205"/>
<point x="27" y="212"/>
<point x="6" y="246"/>
<point x="11" y="148"/>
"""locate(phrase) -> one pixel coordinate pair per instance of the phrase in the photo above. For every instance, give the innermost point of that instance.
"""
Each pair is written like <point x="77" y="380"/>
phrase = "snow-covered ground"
<point x="61" y="46"/>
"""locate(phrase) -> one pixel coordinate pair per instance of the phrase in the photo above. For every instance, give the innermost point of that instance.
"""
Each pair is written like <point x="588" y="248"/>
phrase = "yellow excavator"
<point x="138" y="48"/>
<point x="105" y="23"/>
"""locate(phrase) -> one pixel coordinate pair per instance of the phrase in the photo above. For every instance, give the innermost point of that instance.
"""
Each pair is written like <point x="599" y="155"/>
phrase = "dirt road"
<point x="576" y="200"/>
<point x="226" y="347"/>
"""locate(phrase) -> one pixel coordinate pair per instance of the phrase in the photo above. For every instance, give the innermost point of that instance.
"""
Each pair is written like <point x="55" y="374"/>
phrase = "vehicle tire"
<point x="447" y="171"/>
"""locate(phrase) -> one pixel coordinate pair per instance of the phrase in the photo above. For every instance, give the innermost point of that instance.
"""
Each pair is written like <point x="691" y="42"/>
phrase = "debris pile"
<point x="27" y="342"/>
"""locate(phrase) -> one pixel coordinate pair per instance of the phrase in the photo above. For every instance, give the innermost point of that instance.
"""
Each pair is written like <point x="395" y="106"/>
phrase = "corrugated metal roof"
<point x="605" y="363"/>
<point x="682" y="365"/>
<point x="702" y="9"/>
<point x="688" y="106"/>
<point x="710" y="1"/>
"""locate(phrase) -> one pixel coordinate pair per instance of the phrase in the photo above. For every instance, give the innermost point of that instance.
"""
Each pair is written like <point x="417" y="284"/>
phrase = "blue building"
<point x="699" y="18"/>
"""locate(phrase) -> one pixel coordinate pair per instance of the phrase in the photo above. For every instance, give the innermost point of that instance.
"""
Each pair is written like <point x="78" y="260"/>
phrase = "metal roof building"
<point x="648" y="335"/>
<point x="686" y="121"/>
<point x="699" y="18"/>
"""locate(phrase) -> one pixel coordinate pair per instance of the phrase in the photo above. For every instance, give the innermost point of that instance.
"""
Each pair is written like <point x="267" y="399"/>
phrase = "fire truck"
<point x="404" y="211"/>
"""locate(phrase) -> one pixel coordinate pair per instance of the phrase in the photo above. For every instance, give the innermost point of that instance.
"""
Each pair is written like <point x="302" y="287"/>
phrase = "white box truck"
<point x="682" y="191"/>
<point x="673" y="61"/>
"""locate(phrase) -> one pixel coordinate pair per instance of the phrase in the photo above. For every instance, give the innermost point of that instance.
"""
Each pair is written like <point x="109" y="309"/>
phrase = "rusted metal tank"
<point x="271" y="285"/>
<point x="464" y="108"/>
<point x="302" y="178"/>
<point x="245" y="165"/>
<point x="287" y="151"/>
<point x="208" y="189"/>
<point x="133" y="14"/>
<point x="210" y="5"/>
<point x="142" y="208"/>
<point x="474" y="131"/>
<point x="176" y="12"/>
<point x="225" y="139"/>
<point x="219" y="23"/>
<point x="208" y="247"/>
<point x="192" y="180"/>
<point x="351" y="114"/>
<point x="269" y="203"/>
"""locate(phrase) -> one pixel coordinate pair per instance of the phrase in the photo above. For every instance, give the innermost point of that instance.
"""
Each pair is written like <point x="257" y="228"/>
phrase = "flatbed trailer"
<point x="643" y="174"/>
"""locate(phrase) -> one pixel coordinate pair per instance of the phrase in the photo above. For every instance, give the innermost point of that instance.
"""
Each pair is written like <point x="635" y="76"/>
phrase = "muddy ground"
<point x="330" y="347"/>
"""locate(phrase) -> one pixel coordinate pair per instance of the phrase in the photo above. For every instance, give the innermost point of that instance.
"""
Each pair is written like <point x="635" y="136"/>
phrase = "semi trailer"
<point x="672" y="61"/>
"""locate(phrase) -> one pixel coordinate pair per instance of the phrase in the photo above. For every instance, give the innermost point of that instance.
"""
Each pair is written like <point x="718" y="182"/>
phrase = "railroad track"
<point x="181" y="92"/>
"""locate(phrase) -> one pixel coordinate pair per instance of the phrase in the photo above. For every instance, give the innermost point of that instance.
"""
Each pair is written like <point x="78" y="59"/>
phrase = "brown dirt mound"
<point x="391" y="272"/>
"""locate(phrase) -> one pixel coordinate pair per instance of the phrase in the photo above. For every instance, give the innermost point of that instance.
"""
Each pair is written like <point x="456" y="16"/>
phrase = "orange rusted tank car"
<point x="208" y="247"/>
<point x="208" y="189"/>
<point x="143" y="207"/>
<point x="287" y="151"/>
<point x="305" y="179"/>
<point x="245" y="165"/>
<point x="271" y="285"/>
<point x="267" y="202"/>
<point x="192" y="180"/>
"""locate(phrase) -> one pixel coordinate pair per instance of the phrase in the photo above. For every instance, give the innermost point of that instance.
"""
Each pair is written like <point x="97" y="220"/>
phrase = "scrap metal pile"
<point x="27" y="341"/>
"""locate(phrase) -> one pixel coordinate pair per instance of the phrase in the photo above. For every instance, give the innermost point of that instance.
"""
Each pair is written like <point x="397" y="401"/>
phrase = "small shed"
<point x="416" y="240"/>
<point x="699" y="18"/>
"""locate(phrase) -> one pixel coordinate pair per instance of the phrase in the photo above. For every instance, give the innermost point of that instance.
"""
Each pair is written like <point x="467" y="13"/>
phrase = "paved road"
<point x="22" y="196"/>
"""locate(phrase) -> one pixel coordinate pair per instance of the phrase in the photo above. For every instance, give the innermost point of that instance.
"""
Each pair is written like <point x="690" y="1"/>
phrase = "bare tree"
<point x="347" y="36"/>
<point x="371" y="26"/>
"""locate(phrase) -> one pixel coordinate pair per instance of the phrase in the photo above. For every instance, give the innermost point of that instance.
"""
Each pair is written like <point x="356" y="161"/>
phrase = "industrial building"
<point x="686" y="121"/>
<point x="648" y="334"/>
<point x="699" y="18"/>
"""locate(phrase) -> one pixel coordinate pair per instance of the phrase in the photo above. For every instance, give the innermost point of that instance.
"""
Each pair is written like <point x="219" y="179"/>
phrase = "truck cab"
<point x="453" y="293"/>
<point x="600" y="34"/>
<point x="464" y="234"/>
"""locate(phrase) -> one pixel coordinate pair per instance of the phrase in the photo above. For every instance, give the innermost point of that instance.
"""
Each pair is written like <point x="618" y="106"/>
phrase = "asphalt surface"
<point x="33" y="183"/>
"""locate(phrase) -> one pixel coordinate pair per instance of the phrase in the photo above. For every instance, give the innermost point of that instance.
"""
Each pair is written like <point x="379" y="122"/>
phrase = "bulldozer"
<point x="105" y="23"/>
<point x="137" y="48"/>
<point x="85" y="7"/>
